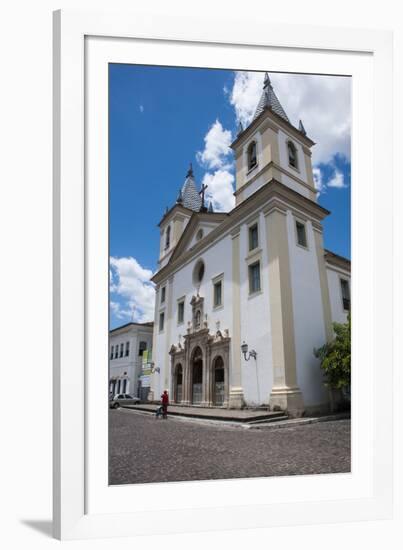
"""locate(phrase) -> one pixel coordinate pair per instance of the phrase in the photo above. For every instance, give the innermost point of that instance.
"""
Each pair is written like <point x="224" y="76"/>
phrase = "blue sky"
<point x="163" y="118"/>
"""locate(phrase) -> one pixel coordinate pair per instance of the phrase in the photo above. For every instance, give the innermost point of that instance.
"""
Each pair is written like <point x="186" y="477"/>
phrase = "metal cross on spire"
<point x="201" y="192"/>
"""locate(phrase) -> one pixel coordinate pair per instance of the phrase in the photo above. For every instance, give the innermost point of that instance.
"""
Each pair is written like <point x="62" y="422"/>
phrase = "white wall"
<point x="308" y="313"/>
<point x="255" y="311"/>
<point x="257" y="376"/>
<point x="217" y="260"/>
<point x="132" y="363"/>
<point x="206" y="227"/>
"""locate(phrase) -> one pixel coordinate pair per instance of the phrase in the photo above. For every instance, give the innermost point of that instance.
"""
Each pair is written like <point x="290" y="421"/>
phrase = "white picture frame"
<point x="83" y="45"/>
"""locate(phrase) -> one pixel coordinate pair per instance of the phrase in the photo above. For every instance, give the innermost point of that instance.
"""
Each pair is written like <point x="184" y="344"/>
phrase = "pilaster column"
<point x="324" y="286"/>
<point x="154" y="377"/>
<point x="204" y="401"/>
<point x="209" y="400"/>
<point x="168" y="343"/>
<point x="185" y="381"/>
<point x="236" y="397"/>
<point x="226" y="379"/>
<point x="285" y="391"/>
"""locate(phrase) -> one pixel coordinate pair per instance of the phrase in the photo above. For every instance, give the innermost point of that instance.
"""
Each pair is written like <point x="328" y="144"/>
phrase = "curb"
<point x="300" y="422"/>
<point x="235" y="423"/>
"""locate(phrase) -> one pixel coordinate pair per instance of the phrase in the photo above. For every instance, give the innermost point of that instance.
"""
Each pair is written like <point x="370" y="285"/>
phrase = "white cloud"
<point x="216" y="158"/>
<point x="220" y="190"/>
<point x="337" y="180"/>
<point x="323" y="103"/>
<point x="141" y="107"/>
<point x="131" y="283"/>
<point x="318" y="179"/>
<point x="217" y="143"/>
<point x="245" y="95"/>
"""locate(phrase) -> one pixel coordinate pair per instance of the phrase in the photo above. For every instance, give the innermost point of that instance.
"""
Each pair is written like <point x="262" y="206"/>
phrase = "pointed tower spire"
<point x="190" y="171"/>
<point x="269" y="100"/>
<point x="266" y="81"/>
<point x="179" y="199"/>
<point x="240" y="128"/>
<point x="210" y="207"/>
<point x="189" y="194"/>
<point x="301" y="128"/>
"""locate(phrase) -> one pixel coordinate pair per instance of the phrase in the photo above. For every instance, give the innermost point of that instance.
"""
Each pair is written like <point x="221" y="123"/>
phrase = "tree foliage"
<point x="335" y="357"/>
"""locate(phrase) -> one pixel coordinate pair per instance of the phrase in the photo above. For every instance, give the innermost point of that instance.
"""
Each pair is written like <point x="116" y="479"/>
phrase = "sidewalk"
<point x="256" y="419"/>
<point x="211" y="413"/>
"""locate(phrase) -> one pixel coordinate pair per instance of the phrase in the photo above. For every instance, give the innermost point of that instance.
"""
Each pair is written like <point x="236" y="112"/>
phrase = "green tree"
<point x="335" y="357"/>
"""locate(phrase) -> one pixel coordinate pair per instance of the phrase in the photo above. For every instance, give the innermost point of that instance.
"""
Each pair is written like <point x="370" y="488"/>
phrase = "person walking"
<point x="165" y="403"/>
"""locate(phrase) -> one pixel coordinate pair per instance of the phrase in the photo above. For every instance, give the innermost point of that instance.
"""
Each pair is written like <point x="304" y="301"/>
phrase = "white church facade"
<point x="243" y="298"/>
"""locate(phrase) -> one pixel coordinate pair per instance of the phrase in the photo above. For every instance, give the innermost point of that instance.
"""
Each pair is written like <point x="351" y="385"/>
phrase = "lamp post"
<point x="251" y="353"/>
<point x="154" y="368"/>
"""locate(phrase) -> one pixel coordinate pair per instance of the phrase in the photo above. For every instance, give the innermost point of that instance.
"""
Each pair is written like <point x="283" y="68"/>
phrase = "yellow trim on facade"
<point x="285" y="391"/>
<point x="236" y="392"/>
<point x="324" y="285"/>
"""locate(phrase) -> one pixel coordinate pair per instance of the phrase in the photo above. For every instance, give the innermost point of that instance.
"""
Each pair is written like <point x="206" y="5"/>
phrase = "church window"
<point x="345" y="294"/>
<point x="181" y="312"/>
<point x="198" y="319"/>
<point x="198" y="272"/>
<point x="163" y="294"/>
<point x="142" y="348"/>
<point x="127" y="350"/>
<point x="116" y="351"/>
<point x="253" y="237"/>
<point x="254" y="277"/>
<point x="292" y="155"/>
<point x="218" y="294"/>
<point x="301" y="234"/>
<point x="161" y="323"/>
<point x="168" y="237"/>
<point x="111" y="355"/>
<point x="252" y="156"/>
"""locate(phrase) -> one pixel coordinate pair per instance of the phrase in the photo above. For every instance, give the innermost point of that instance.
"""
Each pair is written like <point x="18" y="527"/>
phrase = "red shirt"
<point x="165" y="399"/>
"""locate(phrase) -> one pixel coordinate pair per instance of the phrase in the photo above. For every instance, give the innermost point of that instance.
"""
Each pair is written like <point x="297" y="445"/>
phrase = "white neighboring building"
<point x="126" y="347"/>
<point x="257" y="275"/>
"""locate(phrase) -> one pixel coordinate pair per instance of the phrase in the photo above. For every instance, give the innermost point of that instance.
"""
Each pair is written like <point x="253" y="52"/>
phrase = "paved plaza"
<point x="144" y="450"/>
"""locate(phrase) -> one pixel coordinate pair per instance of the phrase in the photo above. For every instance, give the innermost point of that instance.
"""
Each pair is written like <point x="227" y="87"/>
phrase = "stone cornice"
<point x="191" y="227"/>
<point x="265" y="168"/>
<point x="279" y="121"/>
<point x="338" y="261"/>
<point x="271" y="191"/>
<point x="176" y="208"/>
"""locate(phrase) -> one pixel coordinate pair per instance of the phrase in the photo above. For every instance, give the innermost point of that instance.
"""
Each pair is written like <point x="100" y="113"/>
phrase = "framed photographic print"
<point x="219" y="321"/>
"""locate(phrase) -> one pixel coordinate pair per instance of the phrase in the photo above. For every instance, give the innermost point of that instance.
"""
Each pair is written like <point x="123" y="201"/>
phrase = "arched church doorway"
<point x="178" y="383"/>
<point x="197" y="376"/>
<point x="218" y="381"/>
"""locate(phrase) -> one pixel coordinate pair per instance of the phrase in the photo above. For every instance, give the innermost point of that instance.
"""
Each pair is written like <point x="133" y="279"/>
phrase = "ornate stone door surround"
<point x="212" y="346"/>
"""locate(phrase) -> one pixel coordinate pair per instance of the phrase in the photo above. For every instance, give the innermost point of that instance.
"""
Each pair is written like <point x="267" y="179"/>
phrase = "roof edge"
<point x="146" y="324"/>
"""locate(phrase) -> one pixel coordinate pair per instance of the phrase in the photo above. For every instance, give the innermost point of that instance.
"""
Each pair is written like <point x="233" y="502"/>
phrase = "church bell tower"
<point x="272" y="148"/>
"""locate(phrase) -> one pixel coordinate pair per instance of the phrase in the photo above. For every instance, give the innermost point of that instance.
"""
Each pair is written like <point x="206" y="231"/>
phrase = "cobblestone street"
<point x="143" y="449"/>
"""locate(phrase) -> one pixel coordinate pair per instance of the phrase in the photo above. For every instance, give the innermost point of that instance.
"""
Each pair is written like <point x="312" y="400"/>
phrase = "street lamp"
<point x="252" y="353"/>
<point x="154" y="368"/>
